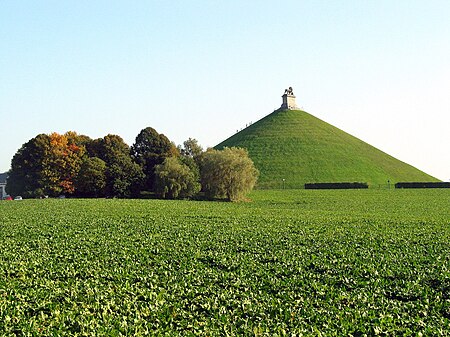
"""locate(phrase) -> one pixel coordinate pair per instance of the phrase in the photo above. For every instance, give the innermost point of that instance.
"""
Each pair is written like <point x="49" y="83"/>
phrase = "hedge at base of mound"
<point x="422" y="185"/>
<point x="335" y="186"/>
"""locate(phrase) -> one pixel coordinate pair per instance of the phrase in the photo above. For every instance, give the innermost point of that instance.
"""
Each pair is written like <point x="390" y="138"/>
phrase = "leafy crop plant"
<point x="290" y="263"/>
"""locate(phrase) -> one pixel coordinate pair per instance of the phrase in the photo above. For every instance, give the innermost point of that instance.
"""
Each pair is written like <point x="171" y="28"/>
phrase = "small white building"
<point x="3" y="186"/>
<point x="2" y="191"/>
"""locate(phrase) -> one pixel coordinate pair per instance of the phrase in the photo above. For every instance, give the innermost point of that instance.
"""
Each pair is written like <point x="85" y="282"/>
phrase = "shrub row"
<point x="323" y="186"/>
<point x="422" y="185"/>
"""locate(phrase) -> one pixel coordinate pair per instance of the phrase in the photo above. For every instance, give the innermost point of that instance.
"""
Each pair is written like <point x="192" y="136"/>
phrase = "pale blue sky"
<point x="379" y="70"/>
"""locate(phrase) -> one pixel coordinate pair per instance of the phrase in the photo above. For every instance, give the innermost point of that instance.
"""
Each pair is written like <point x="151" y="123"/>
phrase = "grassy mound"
<point x="300" y="148"/>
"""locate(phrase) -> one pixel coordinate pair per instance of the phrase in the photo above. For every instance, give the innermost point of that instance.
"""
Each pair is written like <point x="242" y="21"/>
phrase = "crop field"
<point x="289" y="263"/>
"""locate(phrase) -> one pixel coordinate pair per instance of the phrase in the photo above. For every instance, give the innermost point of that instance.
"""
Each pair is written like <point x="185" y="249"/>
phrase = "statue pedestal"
<point x="289" y="102"/>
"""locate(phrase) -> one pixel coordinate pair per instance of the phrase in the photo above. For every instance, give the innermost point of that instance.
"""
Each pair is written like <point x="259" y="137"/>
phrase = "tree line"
<point x="72" y="164"/>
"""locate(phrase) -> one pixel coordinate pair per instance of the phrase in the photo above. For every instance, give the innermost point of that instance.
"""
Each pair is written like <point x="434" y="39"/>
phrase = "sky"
<point x="377" y="69"/>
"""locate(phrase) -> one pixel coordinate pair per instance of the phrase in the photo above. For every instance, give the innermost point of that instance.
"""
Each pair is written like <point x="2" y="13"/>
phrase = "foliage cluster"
<point x="342" y="186"/>
<point x="78" y="165"/>
<point x="422" y="185"/>
<point x="175" y="179"/>
<point x="291" y="263"/>
<point x="229" y="173"/>
<point x="74" y="164"/>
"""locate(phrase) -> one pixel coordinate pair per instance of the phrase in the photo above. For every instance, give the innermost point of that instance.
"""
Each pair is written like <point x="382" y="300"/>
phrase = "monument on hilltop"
<point x="291" y="148"/>
<point x="289" y="100"/>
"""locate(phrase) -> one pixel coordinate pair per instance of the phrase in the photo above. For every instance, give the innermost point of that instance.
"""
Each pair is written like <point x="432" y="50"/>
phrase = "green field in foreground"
<point x="371" y="262"/>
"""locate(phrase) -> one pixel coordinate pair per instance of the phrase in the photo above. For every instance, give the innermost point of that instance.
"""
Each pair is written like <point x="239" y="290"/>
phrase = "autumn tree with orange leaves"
<point x="46" y="165"/>
<point x="62" y="163"/>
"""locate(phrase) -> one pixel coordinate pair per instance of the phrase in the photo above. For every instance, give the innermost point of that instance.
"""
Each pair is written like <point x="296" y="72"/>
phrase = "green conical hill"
<point x="300" y="148"/>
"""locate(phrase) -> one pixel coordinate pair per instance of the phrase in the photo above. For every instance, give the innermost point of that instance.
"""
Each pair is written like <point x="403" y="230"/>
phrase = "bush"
<point x="173" y="179"/>
<point x="229" y="173"/>
<point x="325" y="186"/>
<point x="422" y="185"/>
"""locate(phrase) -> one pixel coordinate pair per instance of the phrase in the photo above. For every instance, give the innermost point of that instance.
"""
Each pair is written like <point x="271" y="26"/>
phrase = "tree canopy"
<point x="25" y="176"/>
<point x="191" y="148"/>
<point x="175" y="179"/>
<point x="229" y="173"/>
<point x="77" y="165"/>
<point x="123" y="176"/>
<point x="91" y="180"/>
<point x="46" y="165"/>
<point x="61" y="164"/>
<point x="150" y="149"/>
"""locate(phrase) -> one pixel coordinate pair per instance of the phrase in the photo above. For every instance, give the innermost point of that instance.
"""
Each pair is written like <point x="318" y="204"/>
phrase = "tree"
<point x="192" y="165"/>
<point x="94" y="148"/>
<point x="25" y="177"/>
<point x="191" y="148"/>
<point x="46" y="164"/>
<point x="109" y="147"/>
<point x="173" y="179"/>
<point x="123" y="176"/>
<point x="62" y="163"/>
<point x="54" y="164"/>
<point x="190" y="155"/>
<point x="75" y="138"/>
<point x="229" y="173"/>
<point x="150" y="149"/>
<point x="91" y="179"/>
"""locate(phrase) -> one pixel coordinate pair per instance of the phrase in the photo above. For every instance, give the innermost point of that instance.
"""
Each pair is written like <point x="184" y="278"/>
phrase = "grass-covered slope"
<point x="300" y="148"/>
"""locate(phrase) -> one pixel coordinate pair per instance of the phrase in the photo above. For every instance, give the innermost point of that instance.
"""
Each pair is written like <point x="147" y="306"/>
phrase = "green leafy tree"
<point x="94" y="148"/>
<point x="25" y="177"/>
<point x="91" y="179"/>
<point x="150" y="149"/>
<point x="173" y="179"/>
<point x="229" y="173"/>
<point x="193" y="166"/>
<point x="79" y="140"/>
<point x="191" y="148"/>
<point x="109" y="147"/>
<point x="190" y="155"/>
<point x="123" y="176"/>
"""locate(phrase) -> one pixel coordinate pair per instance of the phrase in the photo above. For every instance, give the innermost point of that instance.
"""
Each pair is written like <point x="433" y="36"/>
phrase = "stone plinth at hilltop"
<point x="289" y="100"/>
